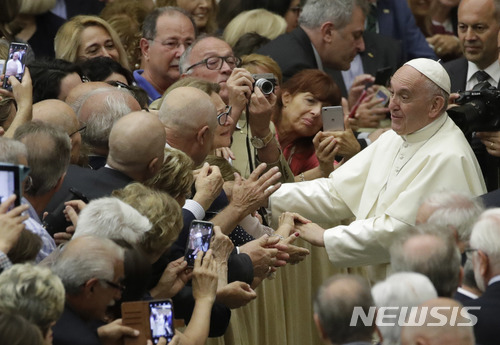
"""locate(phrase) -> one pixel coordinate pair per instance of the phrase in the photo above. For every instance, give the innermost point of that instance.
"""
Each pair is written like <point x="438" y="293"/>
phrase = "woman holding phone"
<point x="297" y="117"/>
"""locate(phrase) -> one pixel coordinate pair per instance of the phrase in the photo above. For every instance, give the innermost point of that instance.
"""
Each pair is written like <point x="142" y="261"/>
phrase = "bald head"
<point x="136" y="145"/>
<point x="60" y="114"/>
<point x="431" y="252"/>
<point x="452" y="326"/>
<point x="190" y="118"/>
<point x="99" y="111"/>
<point x="56" y="112"/>
<point x="81" y="90"/>
<point x="188" y="108"/>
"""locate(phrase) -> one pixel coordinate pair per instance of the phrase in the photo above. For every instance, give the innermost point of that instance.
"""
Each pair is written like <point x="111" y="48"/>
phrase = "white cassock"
<point x="382" y="187"/>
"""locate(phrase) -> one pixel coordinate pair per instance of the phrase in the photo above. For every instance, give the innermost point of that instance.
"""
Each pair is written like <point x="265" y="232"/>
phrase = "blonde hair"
<point x="162" y="211"/>
<point x="33" y="292"/>
<point x="68" y="38"/>
<point x="261" y="21"/>
<point x="252" y="61"/>
<point x="211" y="26"/>
<point x="175" y="176"/>
<point x="35" y="7"/>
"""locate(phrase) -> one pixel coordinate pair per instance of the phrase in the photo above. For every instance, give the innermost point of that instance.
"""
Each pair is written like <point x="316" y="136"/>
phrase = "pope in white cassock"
<point x="382" y="185"/>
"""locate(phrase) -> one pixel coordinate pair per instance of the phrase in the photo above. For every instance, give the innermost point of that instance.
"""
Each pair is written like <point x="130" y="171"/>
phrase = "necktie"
<point x="481" y="76"/>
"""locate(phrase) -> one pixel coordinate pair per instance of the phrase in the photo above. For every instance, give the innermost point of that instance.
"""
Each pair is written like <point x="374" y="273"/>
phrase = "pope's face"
<point x="410" y="102"/>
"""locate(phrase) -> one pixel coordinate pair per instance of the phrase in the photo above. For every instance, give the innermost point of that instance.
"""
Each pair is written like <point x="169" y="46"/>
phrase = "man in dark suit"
<point x="326" y="37"/>
<point x="380" y="52"/>
<point x="485" y="256"/>
<point x="478" y="29"/>
<point x="136" y="146"/>
<point x="394" y="19"/>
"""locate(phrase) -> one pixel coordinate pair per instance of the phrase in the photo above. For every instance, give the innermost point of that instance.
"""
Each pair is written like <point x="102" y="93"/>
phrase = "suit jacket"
<point x="292" y="51"/>
<point x="490" y="165"/>
<point x="486" y="330"/>
<point x="396" y="20"/>
<point x="458" y="296"/>
<point x="491" y="199"/>
<point x="92" y="184"/>
<point x="457" y="70"/>
<point x="71" y="329"/>
<point x="380" y="51"/>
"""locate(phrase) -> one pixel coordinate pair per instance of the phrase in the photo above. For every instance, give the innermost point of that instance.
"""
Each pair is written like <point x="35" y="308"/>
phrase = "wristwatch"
<point x="260" y="143"/>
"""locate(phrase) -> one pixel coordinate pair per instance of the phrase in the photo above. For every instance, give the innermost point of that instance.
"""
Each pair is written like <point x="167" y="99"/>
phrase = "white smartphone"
<point x="333" y="118"/>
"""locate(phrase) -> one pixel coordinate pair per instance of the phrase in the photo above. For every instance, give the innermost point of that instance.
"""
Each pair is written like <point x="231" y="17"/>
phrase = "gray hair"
<point x="92" y="258"/>
<point x="113" y="219"/>
<point x="184" y="59"/>
<point x="440" y="262"/>
<point x="434" y="90"/>
<point x="49" y="150"/>
<point x="486" y="235"/>
<point x="339" y="12"/>
<point x="33" y="292"/>
<point x="149" y="24"/>
<point x="403" y="289"/>
<point x="334" y="306"/>
<point x="456" y="209"/>
<point x="103" y="115"/>
<point x="11" y="150"/>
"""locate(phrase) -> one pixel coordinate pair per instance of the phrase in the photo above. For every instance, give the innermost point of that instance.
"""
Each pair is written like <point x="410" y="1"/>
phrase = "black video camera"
<point x="265" y="82"/>
<point x="477" y="110"/>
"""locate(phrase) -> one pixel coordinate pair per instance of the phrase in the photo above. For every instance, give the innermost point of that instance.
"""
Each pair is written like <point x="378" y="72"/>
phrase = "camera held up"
<point x="265" y="82"/>
<point x="477" y="110"/>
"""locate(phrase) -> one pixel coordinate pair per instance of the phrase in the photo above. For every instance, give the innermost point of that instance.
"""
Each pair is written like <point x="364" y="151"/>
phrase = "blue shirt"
<point x="34" y="225"/>
<point x="146" y="86"/>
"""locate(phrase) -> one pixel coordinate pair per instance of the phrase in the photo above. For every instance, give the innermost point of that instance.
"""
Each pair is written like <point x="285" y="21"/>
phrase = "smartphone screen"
<point x="200" y="234"/>
<point x="15" y="64"/>
<point x="161" y="320"/>
<point x="384" y="94"/>
<point x="333" y="118"/>
<point x="11" y="177"/>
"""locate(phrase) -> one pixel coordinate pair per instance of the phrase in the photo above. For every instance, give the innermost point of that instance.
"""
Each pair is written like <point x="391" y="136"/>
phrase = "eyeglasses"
<point x="222" y="117"/>
<point x="216" y="62"/>
<point x="172" y="44"/>
<point x="119" y="84"/>
<point x="297" y="9"/>
<point x="78" y="130"/>
<point x="115" y="285"/>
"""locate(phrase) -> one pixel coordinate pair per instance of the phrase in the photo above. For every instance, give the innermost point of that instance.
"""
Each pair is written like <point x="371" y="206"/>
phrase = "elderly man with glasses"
<point x="212" y="59"/>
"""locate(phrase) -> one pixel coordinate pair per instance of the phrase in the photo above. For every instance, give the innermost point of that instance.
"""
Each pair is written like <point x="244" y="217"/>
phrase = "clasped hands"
<point x="295" y="224"/>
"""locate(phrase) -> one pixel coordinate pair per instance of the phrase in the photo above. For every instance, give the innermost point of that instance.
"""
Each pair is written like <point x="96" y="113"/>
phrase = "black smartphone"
<point x="161" y="320"/>
<point x="15" y="64"/>
<point x="200" y="234"/>
<point x="383" y="75"/>
<point x="11" y="180"/>
<point x="56" y="221"/>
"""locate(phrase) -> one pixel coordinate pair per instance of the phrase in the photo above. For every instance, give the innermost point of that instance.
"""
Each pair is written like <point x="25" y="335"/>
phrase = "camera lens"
<point x="265" y="86"/>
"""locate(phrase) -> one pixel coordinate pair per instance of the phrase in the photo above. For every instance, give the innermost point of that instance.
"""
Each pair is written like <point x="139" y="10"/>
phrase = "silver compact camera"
<point x="265" y="82"/>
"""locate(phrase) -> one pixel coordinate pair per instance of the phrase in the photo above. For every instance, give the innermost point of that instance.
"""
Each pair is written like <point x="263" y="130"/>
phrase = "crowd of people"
<point x="137" y="119"/>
